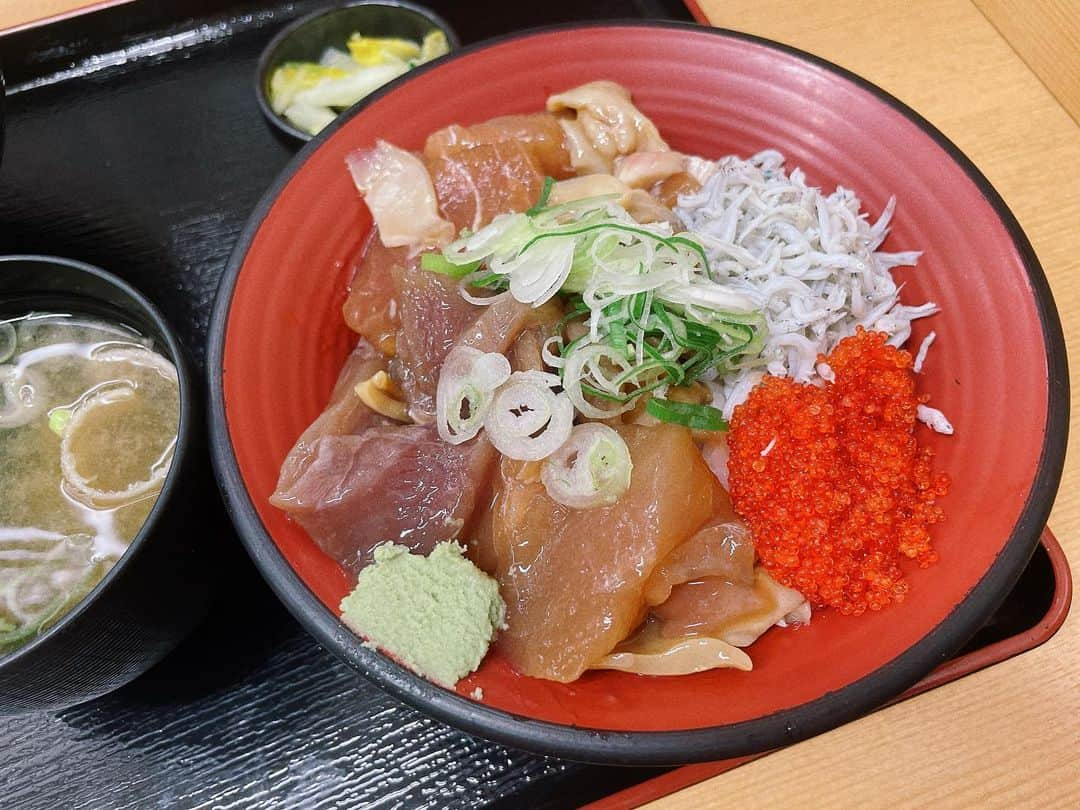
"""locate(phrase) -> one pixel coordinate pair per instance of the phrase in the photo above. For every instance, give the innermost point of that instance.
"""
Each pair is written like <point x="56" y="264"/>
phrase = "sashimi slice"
<point x="400" y="484"/>
<point x="475" y="184"/>
<point x="732" y="611"/>
<point x="574" y="580"/>
<point x="371" y="308"/>
<point x="540" y="134"/>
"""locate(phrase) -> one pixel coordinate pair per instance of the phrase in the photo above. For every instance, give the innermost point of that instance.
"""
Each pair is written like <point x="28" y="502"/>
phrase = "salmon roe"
<point x="831" y="480"/>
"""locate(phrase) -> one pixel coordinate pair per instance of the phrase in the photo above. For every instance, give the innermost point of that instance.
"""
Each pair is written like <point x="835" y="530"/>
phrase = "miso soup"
<point x="89" y="413"/>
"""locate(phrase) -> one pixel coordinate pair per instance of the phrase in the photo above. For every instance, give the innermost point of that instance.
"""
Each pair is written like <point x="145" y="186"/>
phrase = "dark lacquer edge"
<point x="1041" y="632"/>
<point x="657" y="747"/>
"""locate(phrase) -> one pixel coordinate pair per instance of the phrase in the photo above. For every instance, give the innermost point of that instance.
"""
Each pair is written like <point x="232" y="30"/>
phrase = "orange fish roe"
<point x="831" y="480"/>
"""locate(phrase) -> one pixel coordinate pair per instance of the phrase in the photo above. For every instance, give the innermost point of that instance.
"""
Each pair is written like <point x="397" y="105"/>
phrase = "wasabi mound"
<point x="437" y="614"/>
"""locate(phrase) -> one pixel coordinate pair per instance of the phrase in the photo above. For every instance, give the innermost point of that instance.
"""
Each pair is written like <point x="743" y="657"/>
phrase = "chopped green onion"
<point x="545" y="192"/>
<point x="699" y="336"/>
<point x="596" y="392"/>
<point x="694" y="246"/>
<point x="674" y="370"/>
<point x="654" y="314"/>
<point x="489" y="281"/>
<point x="617" y="333"/>
<point x="58" y="420"/>
<point x="467" y="385"/>
<point x="668" y="241"/>
<point x="576" y="309"/>
<point x="698" y="417"/>
<point x="437" y="263"/>
<point x="592" y="468"/>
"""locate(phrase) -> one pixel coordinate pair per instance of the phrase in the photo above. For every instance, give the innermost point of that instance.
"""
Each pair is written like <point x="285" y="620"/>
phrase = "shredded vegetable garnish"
<point x="652" y="314"/>
<point x="545" y="195"/>
<point x="844" y="492"/>
<point x="809" y="262"/>
<point x="692" y="415"/>
<point x="592" y="468"/>
<point x="528" y="420"/>
<point x="436" y="263"/>
<point x="466" y="386"/>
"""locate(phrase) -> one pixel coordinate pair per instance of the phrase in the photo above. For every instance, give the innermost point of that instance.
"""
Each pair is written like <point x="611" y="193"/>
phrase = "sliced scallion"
<point x="437" y="263"/>
<point x="545" y="193"/>
<point x="692" y="415"/>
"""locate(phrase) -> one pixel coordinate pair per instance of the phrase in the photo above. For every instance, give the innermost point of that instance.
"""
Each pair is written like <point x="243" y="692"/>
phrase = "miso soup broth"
<point x="88" y="421"/>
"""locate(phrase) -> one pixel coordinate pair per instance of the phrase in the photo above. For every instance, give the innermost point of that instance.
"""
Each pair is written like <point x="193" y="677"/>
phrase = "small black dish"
<point x="305" y="39"/>
<point x="160" y="587"/>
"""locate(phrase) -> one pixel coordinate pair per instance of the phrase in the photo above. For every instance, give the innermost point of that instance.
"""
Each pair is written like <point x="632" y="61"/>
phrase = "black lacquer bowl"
<point x="159" y="588"/>
<point x="305" y="39"/>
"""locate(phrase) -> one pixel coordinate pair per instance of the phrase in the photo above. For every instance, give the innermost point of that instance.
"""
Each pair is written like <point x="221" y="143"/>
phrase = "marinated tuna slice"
<point x="432" y="315"/>
<point x="502" y="322"/>
<point x="477" y="183"/>
<point x="722" y="548"/>
<point x="344" y="414"/>
<point x="478" y="172"/>
<point x="353" y="492"/>
<point x="527" y="352"/>
<point x="574" y="580"/>
<point x="371" y="307"/>
<point x="732" y="611"/>
<point x="540" y="134"/>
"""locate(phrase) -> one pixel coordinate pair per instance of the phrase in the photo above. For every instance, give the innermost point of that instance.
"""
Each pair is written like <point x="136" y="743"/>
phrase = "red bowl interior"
<point x="710" y="95"/>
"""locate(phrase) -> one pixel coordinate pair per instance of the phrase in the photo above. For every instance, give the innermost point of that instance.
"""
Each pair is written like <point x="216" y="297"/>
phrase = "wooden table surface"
<point x="1001" y="78"/>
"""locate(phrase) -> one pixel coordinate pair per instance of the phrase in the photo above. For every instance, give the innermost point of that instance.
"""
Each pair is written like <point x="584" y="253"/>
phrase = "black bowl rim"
<point x="271" y="47"/>
<point x="658" y="747"/>
<point x="184" y="433"/>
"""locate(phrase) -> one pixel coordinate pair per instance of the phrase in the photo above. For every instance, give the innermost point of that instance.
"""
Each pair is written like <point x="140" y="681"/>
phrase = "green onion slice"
<point x="437" y="263"/>
<point x="592" y="468"/>
<point x="545" y="193"/>
<point x="698" y="417"/>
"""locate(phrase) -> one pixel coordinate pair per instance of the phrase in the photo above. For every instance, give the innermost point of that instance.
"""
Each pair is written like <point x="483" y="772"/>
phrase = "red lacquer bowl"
<point x="997" y="369"/>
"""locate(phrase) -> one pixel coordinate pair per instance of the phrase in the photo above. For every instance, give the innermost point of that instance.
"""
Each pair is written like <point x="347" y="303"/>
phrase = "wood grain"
<point x="1007" y="736"/>
<point x="1046" y="35"/>
<point x="21" y="13"/>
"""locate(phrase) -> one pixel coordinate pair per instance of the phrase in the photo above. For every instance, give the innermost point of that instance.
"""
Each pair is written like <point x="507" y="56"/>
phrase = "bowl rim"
<point x="185" y="432"/>
<point x="263" y="65"/>
<point x="678" y="746"/>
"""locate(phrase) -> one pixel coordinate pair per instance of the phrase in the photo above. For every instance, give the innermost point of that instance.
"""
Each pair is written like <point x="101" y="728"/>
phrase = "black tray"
<point x="143" y="152"/>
